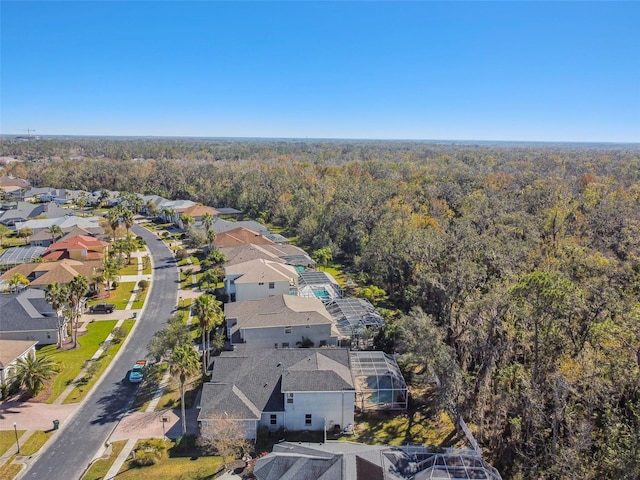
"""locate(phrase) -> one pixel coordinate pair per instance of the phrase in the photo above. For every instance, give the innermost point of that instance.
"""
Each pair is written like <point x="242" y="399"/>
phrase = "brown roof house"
<point x="40" y="275"/>
<point x="80" y="247"/>
<point x="11" y="351"/>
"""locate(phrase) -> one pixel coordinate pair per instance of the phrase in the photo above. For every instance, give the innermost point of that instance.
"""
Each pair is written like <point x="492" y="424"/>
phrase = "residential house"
<point x="198" y="211"/>
<point x="298" y="389"/>
<point x="222" y="226"/>
<point x="80" y="247"/>
<point x="240" y="236"/>
<point x="26" y="315"/>
<point x="44" y="239"/>
<point x="11" y="352"/>
<point x="10" y="183"/>
<point x="287" y="254"/>
<point x="338" y="460"/>
<point x="24" y="211"/>
<point x="64" y="223"/>
<point x="40" y="275"/>
<point x="258" y="279"/>
<point x="282" y="321"/>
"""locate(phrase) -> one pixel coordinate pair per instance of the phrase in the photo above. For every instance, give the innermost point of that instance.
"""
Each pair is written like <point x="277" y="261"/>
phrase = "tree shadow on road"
<point x="116" y="403"/>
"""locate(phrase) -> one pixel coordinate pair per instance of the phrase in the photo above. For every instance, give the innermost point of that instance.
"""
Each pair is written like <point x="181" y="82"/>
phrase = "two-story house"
<point x="258" y="279"/>
<point x="282" y="321"/>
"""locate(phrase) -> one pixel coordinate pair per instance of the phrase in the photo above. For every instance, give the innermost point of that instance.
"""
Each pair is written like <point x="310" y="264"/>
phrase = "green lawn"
<point x="97" y="368"/>
<point x="185" y="308"/>
<point x="140" y="298"/>
<point x="9" y="470"/>
<point x="120" y="296"/>
<point x="8" y="438"/>
<point x="130" y="269"/>
<point x="100" y="468"/>
<point x="195" y="260"/>
<point x="35" y="442"/>
<point x="71" y="361"/>
<point x="174" y="468"/>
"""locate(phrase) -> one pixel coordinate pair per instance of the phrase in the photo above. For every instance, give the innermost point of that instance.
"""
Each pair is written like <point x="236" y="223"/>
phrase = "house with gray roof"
<point x="283" y="253"/>
<point x="298" y="389"/>
<point x="24" y="211"/>
<point x="64" y="222"/>
<point x="26" y="315"/>
<point x="282" y="321"/>
<point x="335" y="460"/>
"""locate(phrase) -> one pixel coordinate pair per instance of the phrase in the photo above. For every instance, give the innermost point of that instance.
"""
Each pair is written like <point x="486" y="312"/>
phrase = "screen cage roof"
<point x="379" y="382"/>
<point x="352" y="315"/>
<point x="18" y="255"/>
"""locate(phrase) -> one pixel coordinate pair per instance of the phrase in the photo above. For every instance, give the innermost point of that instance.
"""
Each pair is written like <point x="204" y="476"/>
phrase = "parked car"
<point x="137" y="372"/>
<point x="102" y="308"/>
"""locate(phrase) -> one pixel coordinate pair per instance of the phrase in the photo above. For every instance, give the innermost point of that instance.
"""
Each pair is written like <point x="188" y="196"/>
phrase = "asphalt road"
<point x="69" y="452"/>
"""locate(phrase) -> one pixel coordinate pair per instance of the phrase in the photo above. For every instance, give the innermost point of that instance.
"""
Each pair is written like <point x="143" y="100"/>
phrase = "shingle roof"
<point x="279" y="310"/>
<point x="26" y="311"/>
<point x="287" y="466"/>
<point x="62" y="271"/>
<point x="12" y="349"/>
<point x="240" y="236"/>
<point x="257" y="375"/>
<point x="261" y="270"/>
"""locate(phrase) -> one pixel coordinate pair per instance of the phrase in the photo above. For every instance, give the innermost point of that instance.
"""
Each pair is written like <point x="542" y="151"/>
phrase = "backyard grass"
<point x="398" y="428"/>
<point x="7" y="439"/>
<point x="71" y="361"/>
<point x="100" y="467"/>
<point x="119" y="296"/>
<point x="97" y="368"/>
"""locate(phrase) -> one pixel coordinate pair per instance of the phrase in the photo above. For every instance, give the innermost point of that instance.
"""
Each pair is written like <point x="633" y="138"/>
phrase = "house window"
<point x="287" y="329"/>
<point x="272" y="285"/>
<point x="285" y="344"/>
<point x="307" y="419"/>
<point x="289" y="397"/>
<point x="274" y="419"/>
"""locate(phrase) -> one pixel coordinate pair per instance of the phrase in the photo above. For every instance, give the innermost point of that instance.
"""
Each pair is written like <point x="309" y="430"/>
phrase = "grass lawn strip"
<point x="7" y="439"/>
<point x="100" y="467"/>
<point x="173" y="468"/>
<point x="140" y="298"/>
<point x="72" y="361"/>
<point x="119" y="296"/>
<point x="9" y="470"/>
<point x="97" y="368"/>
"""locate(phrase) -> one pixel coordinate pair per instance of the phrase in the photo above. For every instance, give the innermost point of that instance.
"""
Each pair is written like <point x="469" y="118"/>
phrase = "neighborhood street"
<point x="84" y="433"/>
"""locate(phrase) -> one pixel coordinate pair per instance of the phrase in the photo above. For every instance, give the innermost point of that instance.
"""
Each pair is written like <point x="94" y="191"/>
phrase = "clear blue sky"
<point x="547" y="71"/>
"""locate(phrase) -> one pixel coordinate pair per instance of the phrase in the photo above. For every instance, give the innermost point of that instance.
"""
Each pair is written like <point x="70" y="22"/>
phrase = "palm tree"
<point x="76" y="290"/>
<point x="4" y="231"/>
<point x="109" y="271"/>
<point x="55" y="231"/>
<point x="207" y="309"/>
<point x="184" y="363"/>
<point x="126" y="215"/>
<point x="57" y="296"/>
<point x="16" y="280"/>
<point x="32" y="372"/>
<point x="114" y="217"/>
<point x="187" y="221"/>
<point x="207" y="221"/>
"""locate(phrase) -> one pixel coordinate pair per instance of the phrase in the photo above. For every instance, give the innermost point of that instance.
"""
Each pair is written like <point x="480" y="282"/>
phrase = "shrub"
<point x="182" y="254"/>
<point x="118" y="333"/>
<point x="114" y="284"/>
<point x="143" y="284"/>
<point x="149" y="452"/>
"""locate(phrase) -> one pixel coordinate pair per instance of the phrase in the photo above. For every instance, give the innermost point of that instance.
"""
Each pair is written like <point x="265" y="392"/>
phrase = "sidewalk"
<point x="34" y="416"/>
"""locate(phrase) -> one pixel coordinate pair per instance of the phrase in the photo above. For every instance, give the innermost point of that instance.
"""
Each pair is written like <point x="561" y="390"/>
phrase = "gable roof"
<point x="78" y="242"/>
<point x="282" y="253"/>
<point x="197" y="211"/>
<point x="12" y="349"/>
<point x="244" y="379"/>
<point x="62" y="271"/>
<point x="261" y="270"/>
<point x="299" y="466"/>
<point x="26" y="311"/>
<point x="276" y="311"/>
<point x="65" y="222"/>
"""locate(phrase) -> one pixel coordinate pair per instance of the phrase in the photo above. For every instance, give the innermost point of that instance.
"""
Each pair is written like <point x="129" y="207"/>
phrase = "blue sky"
<point x="533" y="71"/>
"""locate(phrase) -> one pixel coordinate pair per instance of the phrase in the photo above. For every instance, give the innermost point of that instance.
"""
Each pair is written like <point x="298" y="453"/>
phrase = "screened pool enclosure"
<point x="379" y="382"/>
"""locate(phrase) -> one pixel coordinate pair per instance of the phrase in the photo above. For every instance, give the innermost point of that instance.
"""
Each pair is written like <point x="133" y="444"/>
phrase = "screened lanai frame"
<point x="19" y="255"/>
<point x="353" y="315"/>
<point x="379" y="382"/>
<point x="320" y="285"/>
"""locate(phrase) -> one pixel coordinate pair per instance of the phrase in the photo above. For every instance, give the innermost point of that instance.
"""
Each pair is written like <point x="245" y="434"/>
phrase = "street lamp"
<point x="15" y="430"/>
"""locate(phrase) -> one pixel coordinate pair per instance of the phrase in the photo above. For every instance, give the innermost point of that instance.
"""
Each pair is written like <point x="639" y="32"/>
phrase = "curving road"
<point x="69" y="452"/>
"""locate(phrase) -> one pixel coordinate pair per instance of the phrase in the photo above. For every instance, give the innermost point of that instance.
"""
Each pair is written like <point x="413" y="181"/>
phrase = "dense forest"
<point x="516" y="268"/>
